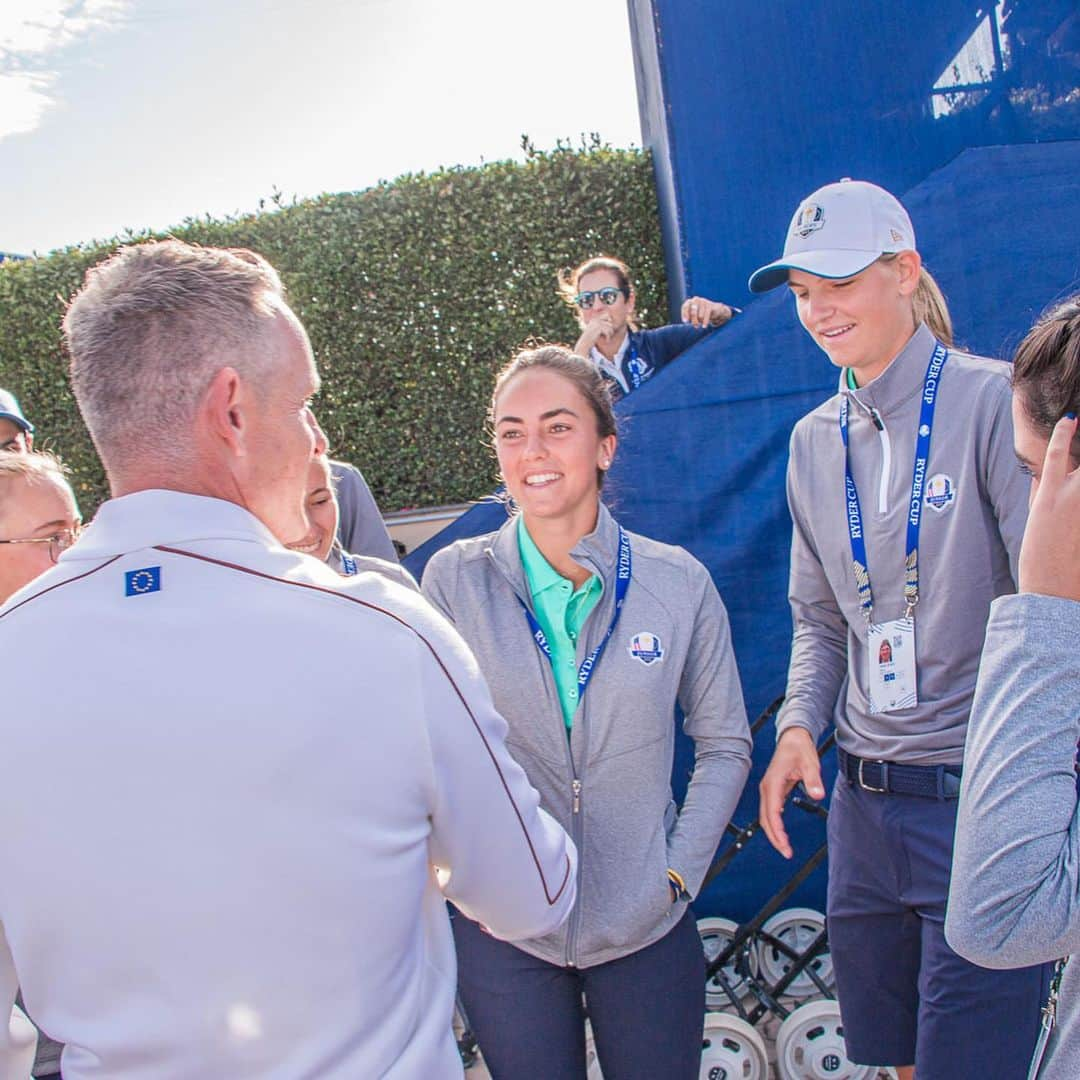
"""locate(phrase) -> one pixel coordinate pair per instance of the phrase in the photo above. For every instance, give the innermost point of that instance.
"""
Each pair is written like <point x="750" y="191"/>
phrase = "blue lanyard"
<point x="918" y="480"/>
<point x="635" y="368"/>
<point x="622" y="586"/>
<point x="348" y="564"/>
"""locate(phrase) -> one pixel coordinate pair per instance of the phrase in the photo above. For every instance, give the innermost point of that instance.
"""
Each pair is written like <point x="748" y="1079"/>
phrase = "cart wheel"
<point x="810" y="1046"/>
<point x="732" y="1050"/>
<point x="592" y="1062"/>
<point x="715" y="935"/>
<point x="796" y="928"/>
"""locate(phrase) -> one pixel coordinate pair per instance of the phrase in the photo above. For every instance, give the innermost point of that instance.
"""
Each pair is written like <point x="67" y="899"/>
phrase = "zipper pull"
<point x="575" y="787"/>
<point x="876" y="417"/>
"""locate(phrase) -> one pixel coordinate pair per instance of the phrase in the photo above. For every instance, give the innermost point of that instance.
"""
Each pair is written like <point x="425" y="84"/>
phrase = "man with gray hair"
<point x="267" y="778"/>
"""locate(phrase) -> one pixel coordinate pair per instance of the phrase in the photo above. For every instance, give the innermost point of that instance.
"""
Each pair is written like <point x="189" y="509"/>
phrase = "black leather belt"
<point x="892" y="778"/>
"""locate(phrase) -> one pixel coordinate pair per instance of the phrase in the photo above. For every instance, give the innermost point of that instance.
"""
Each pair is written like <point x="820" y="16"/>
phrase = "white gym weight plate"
<point x="797" y="928"/>
<point x="732" y="1050"/>
<point x="810" y="1046"/>
<point x="715" y="934"/>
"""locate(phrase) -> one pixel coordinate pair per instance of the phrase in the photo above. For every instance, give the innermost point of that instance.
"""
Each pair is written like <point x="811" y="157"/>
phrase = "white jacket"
<point x="206" y="870"/>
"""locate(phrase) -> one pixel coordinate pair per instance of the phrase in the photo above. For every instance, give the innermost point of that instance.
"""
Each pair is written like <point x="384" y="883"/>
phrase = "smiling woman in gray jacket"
<point x="588" y="636"/>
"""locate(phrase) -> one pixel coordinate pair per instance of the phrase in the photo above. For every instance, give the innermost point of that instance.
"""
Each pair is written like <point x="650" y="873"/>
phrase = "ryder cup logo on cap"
<point x="838" y="231"/>
<point x="646" y="647"/>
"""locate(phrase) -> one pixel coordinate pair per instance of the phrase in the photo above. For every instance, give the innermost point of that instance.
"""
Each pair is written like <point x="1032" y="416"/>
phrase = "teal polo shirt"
<point x="561" y="611"/>
<point x="851" y="383"/>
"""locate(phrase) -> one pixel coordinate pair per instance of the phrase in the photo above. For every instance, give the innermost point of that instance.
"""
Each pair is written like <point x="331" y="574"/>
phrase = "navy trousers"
<point x="646" y="1009"/>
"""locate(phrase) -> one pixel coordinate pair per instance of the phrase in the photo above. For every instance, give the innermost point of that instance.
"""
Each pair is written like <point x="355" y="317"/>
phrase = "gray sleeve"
<point x="1014" y="897"/>
<point x="819" y="635"/>
<point x="711" y="698"/>
<point x="434" y="585"/>
<point x="1006" y="485"/>
<point x="360" y="527"/>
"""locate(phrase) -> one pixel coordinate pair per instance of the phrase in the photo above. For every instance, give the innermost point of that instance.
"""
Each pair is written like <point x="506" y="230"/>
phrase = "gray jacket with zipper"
<point x="968" y="547"/>
<point x="609" y="782"/>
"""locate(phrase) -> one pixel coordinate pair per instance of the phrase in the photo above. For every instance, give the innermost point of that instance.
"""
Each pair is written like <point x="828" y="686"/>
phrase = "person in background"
<point x="39" y="519"/>
<point x="361" y="529"/>
<point x="225" y="880"/>
<point x="602" y="295"/>
<point x="16" y="432"/>
<point x="322" y="541"/>
<point x="588" y="636"/>
<point x="907" y="513"/>
<point x="1015" y="892"/>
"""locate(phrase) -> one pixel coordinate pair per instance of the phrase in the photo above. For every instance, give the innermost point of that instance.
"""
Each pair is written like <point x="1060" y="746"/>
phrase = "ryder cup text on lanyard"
<point x="622" y="585"/>
<point x="918" y="478"/>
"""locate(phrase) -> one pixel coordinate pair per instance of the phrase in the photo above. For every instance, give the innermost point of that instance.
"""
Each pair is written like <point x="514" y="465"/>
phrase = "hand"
<point x="601" y="327"/>
<point x="1050" y="553"/>
<point x="795" y="759"/>
<point x="700" y="312"/>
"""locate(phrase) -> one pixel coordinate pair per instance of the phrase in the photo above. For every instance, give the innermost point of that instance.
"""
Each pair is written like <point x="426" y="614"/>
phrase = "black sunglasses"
<point x="607" y="296"/>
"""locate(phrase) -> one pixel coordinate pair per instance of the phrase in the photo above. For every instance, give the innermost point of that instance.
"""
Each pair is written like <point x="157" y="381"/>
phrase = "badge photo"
<point x="646" y="647"/>
<point x="940" y="492"/>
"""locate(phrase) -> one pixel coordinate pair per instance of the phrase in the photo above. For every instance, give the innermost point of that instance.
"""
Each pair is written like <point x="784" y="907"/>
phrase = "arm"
<point x="360" y="527"/>
<point x="711" y="698"/>
<point x="18" y="1037"/>
<point x="819" y="641"/>
<point x="1015" y="893"/>
<point x="1006" y="486"/>
<point x="506" y="863"/>
<point x="815" y="674"/>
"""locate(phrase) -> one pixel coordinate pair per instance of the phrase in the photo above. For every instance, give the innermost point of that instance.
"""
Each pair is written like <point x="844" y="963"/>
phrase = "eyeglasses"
<point x="607" y="296"/>
<point x="58" y="542"/>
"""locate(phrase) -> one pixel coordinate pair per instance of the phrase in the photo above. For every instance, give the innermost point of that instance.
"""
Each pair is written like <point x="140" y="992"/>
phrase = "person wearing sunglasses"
<point x="16" y="432"/>
<point x="39" y="517"/>
<point x="602" y="295"/>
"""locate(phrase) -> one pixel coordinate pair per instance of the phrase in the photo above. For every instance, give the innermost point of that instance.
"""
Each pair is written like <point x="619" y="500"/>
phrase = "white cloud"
<point x="33" y="37"/>
<point x="24" y="99"/>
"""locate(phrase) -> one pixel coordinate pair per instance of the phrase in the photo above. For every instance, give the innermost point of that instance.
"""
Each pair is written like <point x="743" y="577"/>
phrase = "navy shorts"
<point x="905" y="997"/>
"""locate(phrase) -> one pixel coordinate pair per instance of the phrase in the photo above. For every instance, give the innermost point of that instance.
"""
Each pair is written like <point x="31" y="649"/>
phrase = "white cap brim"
<point x="826" y="264"/>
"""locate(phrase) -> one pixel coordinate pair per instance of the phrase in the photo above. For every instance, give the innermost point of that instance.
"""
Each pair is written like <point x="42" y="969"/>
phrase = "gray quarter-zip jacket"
<point x="609" y="783"/>
<point x="1014" y="899"/>
<point x="968" y="546"/>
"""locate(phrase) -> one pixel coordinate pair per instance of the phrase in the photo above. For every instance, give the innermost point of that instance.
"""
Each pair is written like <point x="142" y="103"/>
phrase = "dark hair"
<point x="584" y="375"/>
<point x="1046" y="368"/>
<point x="568" y="279"/>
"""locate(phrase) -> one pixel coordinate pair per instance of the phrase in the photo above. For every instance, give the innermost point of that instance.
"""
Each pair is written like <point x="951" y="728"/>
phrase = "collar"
<point x="539" y="573"/>
<point x="597" y="552"/>
<point x="900" y="381"/>
<point x="613" y="366"/>
<point x="148" y="518"/>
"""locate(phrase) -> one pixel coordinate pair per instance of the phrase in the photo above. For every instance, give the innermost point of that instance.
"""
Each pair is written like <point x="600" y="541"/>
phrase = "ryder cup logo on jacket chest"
<point x="646" y="647"/>
<point x="940" y="492"/>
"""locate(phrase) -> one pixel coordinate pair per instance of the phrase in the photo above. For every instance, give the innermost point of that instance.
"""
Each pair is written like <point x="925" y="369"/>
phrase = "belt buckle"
<point x="884" y="777"/>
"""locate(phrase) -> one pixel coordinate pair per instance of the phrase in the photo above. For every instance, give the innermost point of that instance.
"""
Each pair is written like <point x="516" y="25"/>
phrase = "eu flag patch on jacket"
<point x="146" y="580"/>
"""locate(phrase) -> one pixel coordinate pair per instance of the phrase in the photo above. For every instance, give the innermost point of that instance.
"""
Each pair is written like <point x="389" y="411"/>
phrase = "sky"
<point x="133" y="114"/>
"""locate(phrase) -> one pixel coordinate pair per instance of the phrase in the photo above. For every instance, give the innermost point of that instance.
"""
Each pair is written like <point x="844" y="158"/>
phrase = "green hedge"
<point x="414" y="292"/>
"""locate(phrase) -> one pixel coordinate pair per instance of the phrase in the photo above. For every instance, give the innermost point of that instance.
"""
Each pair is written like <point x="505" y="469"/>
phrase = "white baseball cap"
<point x="839" y="230"/>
